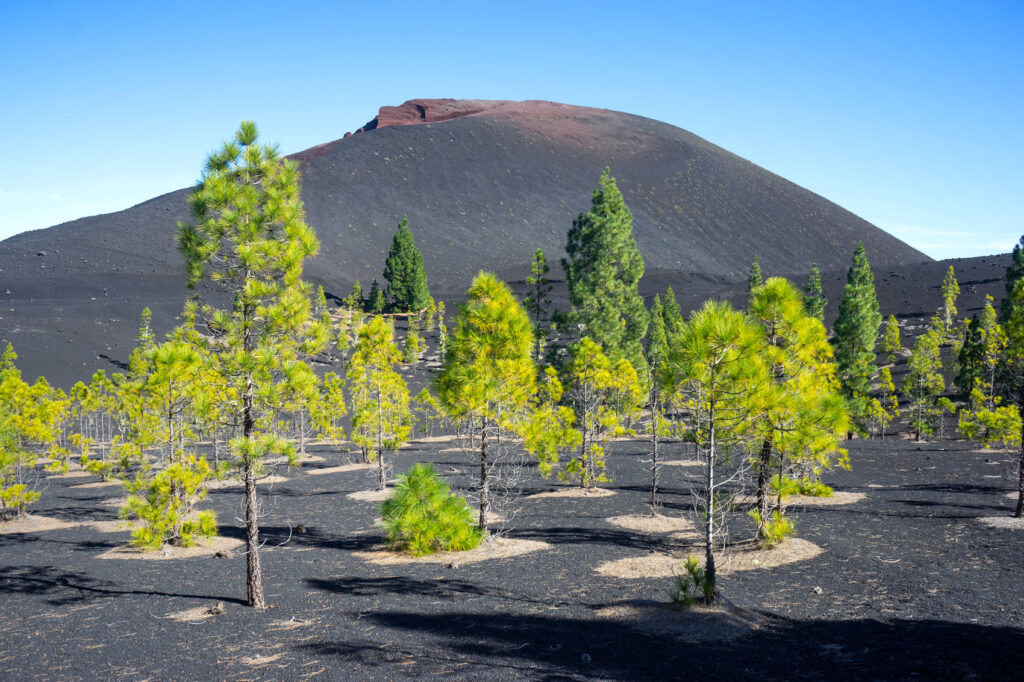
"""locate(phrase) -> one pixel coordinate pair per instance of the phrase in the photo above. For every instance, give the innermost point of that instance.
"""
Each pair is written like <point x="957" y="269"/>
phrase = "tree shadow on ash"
<point x="286" y="536"/>
<point x="399" y="585"/>
<point x="591" y="536"/>
<point x="781" y="649"/>
<point x="63" y="587"/>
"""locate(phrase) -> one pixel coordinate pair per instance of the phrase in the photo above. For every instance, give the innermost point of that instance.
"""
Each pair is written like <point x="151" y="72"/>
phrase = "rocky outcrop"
<point x="426" y="111"/>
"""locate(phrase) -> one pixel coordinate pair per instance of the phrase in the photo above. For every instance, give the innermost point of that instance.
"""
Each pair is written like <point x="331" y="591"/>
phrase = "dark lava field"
<point x="909" y="584"/>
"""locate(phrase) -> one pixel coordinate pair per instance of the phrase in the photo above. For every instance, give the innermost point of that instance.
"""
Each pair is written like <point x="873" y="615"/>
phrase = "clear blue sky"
<point x="910" y="114"/>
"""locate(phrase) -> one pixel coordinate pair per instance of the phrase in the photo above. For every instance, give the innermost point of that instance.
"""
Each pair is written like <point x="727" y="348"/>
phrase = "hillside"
<point x="484" y="184"/>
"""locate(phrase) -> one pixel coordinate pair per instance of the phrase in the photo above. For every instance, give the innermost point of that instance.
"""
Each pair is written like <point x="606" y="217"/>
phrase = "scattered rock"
<point x="300" y="529"/>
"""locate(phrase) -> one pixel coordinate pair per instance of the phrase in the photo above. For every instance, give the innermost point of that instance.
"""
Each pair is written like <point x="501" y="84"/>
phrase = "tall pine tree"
<point x="814" y="300"/>
<point x="856" y="334"/>
<point x="538" y="300"/>
<point x="403" y="269"/>
<point x="250" y="237"/>
<point x="602" y="271"/>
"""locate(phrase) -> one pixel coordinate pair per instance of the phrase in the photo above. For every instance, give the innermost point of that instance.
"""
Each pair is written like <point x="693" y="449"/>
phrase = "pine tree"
<point x="413" y="342"/>
<point x="755" y="278"/>
<point x="674" y="321"/>
<point x="538" y="301"/>
<point x="814" y="299"/>
<point x="802" y="414"/>
<point x="892" y="344"/>
<point x="250" y="237"/>
<point x="714" y="367"/>
<point x="591" y="381"/>
<point x="923" y="383"/>
<point x="488" y="377"/>
<point x="403" y="270"/>
<point x="602" y="271"/>
<point x="971" y="358"/>
<point x="947" y="311"/>
<point x="987" y="420"/>
<point x="376" y="302"/>
<point x="381" y="420"/>
<point x="1013" y="308"/>
<point x="657" y="354"/>
<point x="355" y="298"/>
<point x="1014" y="272"/>
<point x="856" y="334"/>
<point x="888" y="401"/>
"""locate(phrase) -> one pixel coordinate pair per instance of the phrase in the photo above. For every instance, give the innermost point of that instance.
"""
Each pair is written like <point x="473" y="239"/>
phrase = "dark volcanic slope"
<point x="484" y="185"/>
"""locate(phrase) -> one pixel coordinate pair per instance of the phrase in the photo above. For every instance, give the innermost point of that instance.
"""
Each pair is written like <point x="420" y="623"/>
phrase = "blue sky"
<point x="909" y="114"/>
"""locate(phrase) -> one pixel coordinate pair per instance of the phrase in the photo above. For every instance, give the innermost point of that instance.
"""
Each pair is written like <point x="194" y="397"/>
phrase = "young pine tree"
<point x="403" y="270"/>
<point x="376" y="302"/>
<point x="892" y="344"/>
<point x="802" y="416"/>
<point x="947" y="311"/>
<point x="602" y="270"/>
<point x="381" y="419"/>
<point x="814" y="299"/>
<point x="538" y="301"/>
<point x="856" y="334"/>
<point x="250" y="239"/>
<point x="1013" y="308"/>
<point x="488" y="377"/>
<point x="923" y="383"/>
<point x="714" y="367"/>
<point x="754" y="278"/>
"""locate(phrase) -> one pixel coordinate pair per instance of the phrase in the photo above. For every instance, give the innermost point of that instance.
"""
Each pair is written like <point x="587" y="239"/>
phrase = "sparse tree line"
<point x="764" y="395"/>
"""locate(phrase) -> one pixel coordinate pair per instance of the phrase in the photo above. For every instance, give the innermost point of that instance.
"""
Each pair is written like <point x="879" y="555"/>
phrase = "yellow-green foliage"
<point x="773" y="530"/>
<point x="691" y="584"/>
<point x="549" y="431"/>
<point x="30" y="417"/>
<point x="164" y="506"/>
<point x="802" y="486"/>
<point x="592" y="382"/>
<point x="381" y="419"/>
<point x="424" y="516"/>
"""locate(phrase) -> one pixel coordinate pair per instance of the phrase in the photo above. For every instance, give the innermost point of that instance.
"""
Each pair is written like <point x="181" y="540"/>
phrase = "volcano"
<point x="484" y="184"/>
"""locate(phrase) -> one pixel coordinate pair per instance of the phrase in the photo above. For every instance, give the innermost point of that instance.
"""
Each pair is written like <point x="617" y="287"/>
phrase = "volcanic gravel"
<point x="910" y="585"/>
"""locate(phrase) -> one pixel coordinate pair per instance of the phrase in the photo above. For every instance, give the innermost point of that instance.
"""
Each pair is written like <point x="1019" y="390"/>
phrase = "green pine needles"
<point x="424" y="516"/>
<point x="407" y="280"/>
<point x="602" y="271"/>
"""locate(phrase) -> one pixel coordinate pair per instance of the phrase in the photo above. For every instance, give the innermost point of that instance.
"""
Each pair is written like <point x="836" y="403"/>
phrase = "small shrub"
<point x="424" y="516"/>
<point x="691" y="584"/>
<point x="165" y="507"/>
<point x="775" y="529"/>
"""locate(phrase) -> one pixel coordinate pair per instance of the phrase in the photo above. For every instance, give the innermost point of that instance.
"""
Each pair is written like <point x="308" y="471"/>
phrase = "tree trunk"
<point x="1020" y="476"/>
<point x="254" y="572"/>
<point x="381" y="478"/>
<point x="764" y="461"/>
<point x="709" y="485"/>
<point x="654" y="449"/>
<point x="485" y="497"/>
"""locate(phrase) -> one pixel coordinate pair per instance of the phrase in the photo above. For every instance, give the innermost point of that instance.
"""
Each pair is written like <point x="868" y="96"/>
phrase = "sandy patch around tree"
<point x="645" y="523"/>
<point x="719" y="622"/>
<point x="572" y="492"/>
<point x="73" y="474"/>
<point x="837" y="498"/>
<point x="436" y="439"/>
<point x="1012" y="496"/>
<point x="1004" y="522"/>
<point x="119" y="526"/>
<point x="97" y="484"/>
<point x="31" y="523"/>
<point x="493" y="548"/>
<point x="305" y="459"/>
<point x="680" y="463"/>
<point x="658" y="565"/>
<point x="371" y="495"/>
<point x="236" y="483"/>
<point x="203" y="547"/>
<point x="356" y="466"/>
